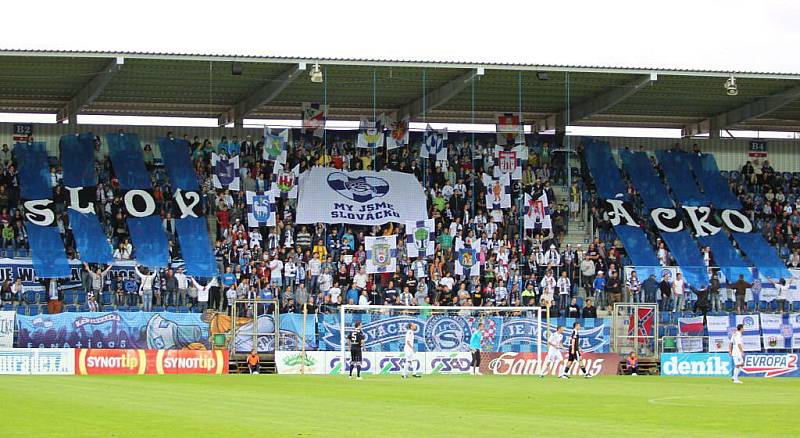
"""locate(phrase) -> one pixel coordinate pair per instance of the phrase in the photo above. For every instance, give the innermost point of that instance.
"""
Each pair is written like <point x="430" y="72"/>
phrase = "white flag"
<point x="285" y="182"/>
<point x="537" y="213"/>
<point x="381" y="254"/>
<point x="433" y="144"/>
<point x="420" y="238"/>
<point x="398" y="133"/>
<point x="510" y="161"/>
<point x="498" y="191"/>
<point x="226" y="172"/>
<point x="260" y="209"/>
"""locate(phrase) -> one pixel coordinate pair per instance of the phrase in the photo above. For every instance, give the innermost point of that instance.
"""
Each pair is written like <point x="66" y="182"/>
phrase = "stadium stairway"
<point x="578" y="230"/>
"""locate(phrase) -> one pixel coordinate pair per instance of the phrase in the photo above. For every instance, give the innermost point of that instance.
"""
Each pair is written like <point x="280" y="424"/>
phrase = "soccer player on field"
<point x="356" y="343"/>
<point x="574" y="352"/>
<point x="737" y="352"/>
<point x="408" y="349"/>
<point x="475" y="344"/>
<point x="554" y="344"/>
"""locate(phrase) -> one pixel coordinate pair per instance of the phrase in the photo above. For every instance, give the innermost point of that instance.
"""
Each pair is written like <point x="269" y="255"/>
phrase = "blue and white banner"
<point x="7" y="329"/>
<point x="720" y="329"/>
<point x="285" y="182"/>
<point x="381" y="254"/>
<point x="452" y="333"/>
<point x="498" y="191"/>
<point x="148" y="330"/>
<point x="467" y="263"/>
<point x="37" y="361"/>
<point x="510" y="161"/>
<point x="780" y="331"/>
<point x="420" y="238"/>
<point x="331" y="196"/>
<point x="433" y="144"/>
<point x="226" y="172"/>
<point x="696" y="364"/>
<point x="260" y="209"/>
<point x="291" y="329"/>
<point x="275" y="141"/>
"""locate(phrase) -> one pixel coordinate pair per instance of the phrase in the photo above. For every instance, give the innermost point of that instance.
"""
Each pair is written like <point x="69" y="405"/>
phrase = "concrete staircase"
<point x="578" y="230"/>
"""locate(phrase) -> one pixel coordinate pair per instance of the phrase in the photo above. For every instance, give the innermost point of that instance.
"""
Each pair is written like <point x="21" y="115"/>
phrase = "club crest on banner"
<point x="507" y="161"/>
<point x="381" y="254"/>
<point x="420" y="238"/>
<point x="226" y="172"/>
<point x="359" y="189"/>
<point x="260" y="209"/>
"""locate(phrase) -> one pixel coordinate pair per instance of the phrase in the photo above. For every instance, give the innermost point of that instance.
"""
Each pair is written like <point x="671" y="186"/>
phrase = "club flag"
<point x="467" y="264"/>
<point x="370" y="134"/>
<point x="285" y="182"/>
<point x="498" y="191"/>
<point x="537" y="213"/>
<point x="780" y="331"/>
<point x="751" y="337"/>
<point x="691" y="334"/>
<point x="314" y="116"/>
<point x="226" y="172"/>
<point x="718" y="336"/>
<point x="510" y="161"/>
<point x="275" y="141"/>
<point x="643" y="328"/>
<point x="381" y="254"/>
<point x="433" y="144"/>
<point x="420" y="238"/>
<point x="509" y="129"/>
<point x="398" y="133"/>
<point x="260" y="209"/>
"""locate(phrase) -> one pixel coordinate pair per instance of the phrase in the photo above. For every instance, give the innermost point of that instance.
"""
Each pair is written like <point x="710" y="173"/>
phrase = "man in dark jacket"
<point x="740" y="288"/>
<point x="650" y="288"/>
<point x="702" y="304"/>
<point x="665" y="287"/>
<point x="589" y="311"/>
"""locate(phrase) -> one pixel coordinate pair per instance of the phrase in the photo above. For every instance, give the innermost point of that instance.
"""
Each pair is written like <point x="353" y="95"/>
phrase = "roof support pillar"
<point x="90" y="92"/>
<point x="260" y="97"/>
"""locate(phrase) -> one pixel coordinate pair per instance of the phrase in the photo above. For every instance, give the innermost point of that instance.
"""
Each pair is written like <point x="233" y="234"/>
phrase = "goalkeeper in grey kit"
<point x="356" y="344"/>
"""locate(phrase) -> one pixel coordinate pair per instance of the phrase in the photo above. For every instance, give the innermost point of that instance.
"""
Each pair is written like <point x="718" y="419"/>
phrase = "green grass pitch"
<point x="387" y="406"/>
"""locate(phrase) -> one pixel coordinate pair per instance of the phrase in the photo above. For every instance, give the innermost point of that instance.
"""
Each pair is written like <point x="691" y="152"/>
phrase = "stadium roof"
<point x="197" y="85"/>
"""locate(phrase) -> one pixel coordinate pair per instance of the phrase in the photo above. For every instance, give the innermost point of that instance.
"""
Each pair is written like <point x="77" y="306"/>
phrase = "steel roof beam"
<point x="752" y="110"/>
<point x="90" y="92"/>
<point x="438" y="96"/>
<point x="604" y="101"/>
<point x="261" y="97"/>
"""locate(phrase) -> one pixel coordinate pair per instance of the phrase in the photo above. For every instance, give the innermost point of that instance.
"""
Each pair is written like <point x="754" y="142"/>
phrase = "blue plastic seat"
<point x="122" y="308"/>
<point x="22" y="309"/>
<point x="22" y="252"/>
<point x="106" y="299"/>
<point x="81" y="298"/>
<point x="158" y="309"/>
<point x="796" y="306"/>
<point x="171" y="309"/>
<point x="35" y="310"/>
<point x="69" y="297"/>
<point x="8" y="307"/>
<point x="84" y="308"/>
<point x="70" y="308"/>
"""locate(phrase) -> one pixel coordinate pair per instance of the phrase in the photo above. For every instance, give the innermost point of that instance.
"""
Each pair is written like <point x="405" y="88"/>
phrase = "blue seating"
<point x="8" y="307"/>
<point x="196" y="310"/>
<point x="158" y="308"/>
<point x="35" y="310"/>
<point x="22" y="309"/>
<point x="171" y="309"/>
<point x="106" y="299"/>
<point x="122" y="308"/>
<point x="664" y="317"/>
<point x="183" y="309"/>
<point x="84" y="308"/>
<point x="134" y="309"/>
<point x="69" y="297"/>
<point x="30" y="296"/>
<point x="22" y="252"/>
<point x="81" y="298"/>
<point x="580" y="302"/>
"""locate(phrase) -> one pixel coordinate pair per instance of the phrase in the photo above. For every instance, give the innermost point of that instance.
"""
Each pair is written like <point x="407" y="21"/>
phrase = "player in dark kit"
<point x="356" y="343"/>
<point x="574" y="352"/>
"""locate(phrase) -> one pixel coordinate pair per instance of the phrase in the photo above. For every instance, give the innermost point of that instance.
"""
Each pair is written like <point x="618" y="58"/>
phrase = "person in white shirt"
<point x="420" y="268"/>
<point x="552" y="259"/>
<point x="276" y="272"/>
<point x="408" y="350"/>
<point x="678" y="292"/>
<point x="360" y="279"/>
<point x="202" y="292"/>
<point x="289" y="273"/>
<point x="736" y="350"/>
<point x="783" y="287"/>
<point x="555" y="342"/>
<point x="183" y="286"/>
<point x="147" y="280"/>
<point x="564" y="287"/>
<point x="548" y="285"/>
<point x="335" y="292"/>
<point x="324" y="282"/>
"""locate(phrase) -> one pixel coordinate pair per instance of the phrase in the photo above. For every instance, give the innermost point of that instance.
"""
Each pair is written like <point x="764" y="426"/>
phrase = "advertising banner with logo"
<point x="520" y="364"/>
<point x="452" y="333"/>
<point x="148" y="330"/>
<point x="331" y="196"/>
<point x="291" y="362"/>
<point x="7" y="329"/>
<point x="126" y="361"/>
<point x="770" y="365"/>
<point x="54" y="361"/>
<point x="696" y="364"/>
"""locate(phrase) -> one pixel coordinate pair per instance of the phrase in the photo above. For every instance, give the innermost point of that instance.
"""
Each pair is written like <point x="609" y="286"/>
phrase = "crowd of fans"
<point x="320" y="267"/>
